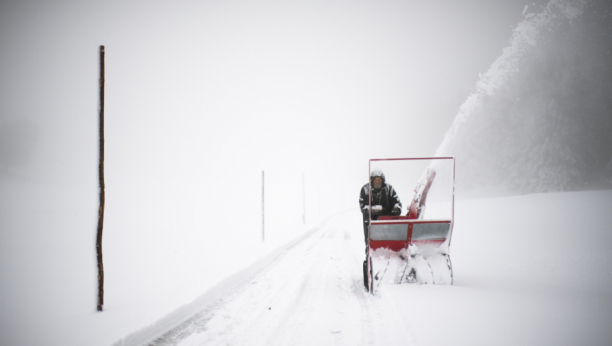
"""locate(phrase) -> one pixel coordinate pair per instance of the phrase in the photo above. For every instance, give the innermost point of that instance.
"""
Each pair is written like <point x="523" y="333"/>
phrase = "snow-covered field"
<point x="529" y="270"/>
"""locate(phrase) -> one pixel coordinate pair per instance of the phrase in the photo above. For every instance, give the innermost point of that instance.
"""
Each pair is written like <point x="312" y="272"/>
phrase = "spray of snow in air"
<point x="538" y="119"/>
<point x="524" y="37"/>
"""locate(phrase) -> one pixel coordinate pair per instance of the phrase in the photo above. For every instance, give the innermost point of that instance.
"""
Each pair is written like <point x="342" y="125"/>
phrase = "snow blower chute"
<point x="413" y="247"/>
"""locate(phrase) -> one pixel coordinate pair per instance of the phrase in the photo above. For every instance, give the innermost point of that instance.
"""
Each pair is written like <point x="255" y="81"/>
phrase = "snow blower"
<point x="414" y="248"/>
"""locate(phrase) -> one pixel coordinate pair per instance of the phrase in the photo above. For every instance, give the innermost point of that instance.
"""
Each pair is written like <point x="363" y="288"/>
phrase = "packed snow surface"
<point x="528" y="270"/>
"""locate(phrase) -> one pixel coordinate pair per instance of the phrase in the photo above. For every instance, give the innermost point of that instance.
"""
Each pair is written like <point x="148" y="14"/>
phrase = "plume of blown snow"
<point x="539" y="119"/>
<point x="525" y="36"/>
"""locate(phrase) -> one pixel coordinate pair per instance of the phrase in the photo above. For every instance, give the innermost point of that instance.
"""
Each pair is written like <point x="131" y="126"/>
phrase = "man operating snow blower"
<point x="384" y="200"/>
<point x="412" y="248"/>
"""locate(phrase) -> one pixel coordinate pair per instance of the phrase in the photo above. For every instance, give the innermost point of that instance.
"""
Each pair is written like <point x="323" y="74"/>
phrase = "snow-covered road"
<point x="312" y="294"/>
<point x="543" y="277"/>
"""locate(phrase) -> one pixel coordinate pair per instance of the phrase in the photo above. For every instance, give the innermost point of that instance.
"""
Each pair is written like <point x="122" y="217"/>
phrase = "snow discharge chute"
<point x="413" y="247"/>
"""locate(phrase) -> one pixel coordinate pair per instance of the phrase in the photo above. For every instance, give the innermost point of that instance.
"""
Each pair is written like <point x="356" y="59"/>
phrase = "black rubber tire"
<point x="365" y="274"/>
<point x="371" y="277"/>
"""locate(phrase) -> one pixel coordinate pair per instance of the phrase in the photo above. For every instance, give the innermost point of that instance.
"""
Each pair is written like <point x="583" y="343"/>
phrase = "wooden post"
<point x="102" y="197"/>
<point x="263" y="225"/>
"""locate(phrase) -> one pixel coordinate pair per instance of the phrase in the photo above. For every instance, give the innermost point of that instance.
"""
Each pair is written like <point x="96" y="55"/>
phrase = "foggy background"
<point x="202" y="96"/>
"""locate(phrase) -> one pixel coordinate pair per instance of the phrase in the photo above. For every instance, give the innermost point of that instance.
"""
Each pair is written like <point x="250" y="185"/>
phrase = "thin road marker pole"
<point x="102" y="193"/>
<point x="319" y="198"/>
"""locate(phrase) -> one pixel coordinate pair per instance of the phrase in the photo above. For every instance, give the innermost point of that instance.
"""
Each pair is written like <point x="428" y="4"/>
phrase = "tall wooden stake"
<point x="102" y="197"/>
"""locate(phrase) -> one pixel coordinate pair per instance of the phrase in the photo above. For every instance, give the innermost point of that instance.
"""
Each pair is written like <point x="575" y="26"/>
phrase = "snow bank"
<point x="528" y="270"/>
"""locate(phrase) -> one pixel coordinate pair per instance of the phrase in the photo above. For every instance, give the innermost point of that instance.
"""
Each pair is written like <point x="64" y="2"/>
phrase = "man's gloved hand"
<point x="396" y="210"/>
<point x="366" y="210"/>
<point x="377" y="209"/>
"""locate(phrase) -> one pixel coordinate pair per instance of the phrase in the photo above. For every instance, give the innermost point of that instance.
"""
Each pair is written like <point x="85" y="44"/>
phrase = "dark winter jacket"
<point x="385" y="196"/>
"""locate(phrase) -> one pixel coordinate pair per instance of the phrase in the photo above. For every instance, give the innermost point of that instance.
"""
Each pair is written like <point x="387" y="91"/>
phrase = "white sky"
<point x="242" y="86"/>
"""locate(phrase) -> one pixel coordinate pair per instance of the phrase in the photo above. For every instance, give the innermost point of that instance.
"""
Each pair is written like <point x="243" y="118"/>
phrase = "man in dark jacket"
<point x="384" y="200"/>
